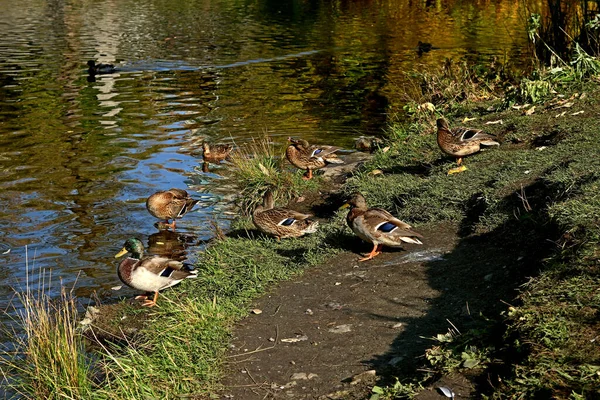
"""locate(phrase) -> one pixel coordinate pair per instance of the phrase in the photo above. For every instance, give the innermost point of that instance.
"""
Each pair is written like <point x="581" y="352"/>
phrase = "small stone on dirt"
<point x="345" y="328"/>
<point x="396" y="326"/>
<point x="366" y="377"/>
<point x="303" y="376"/>
<point x="256" y="311"/>
<point x="309" y="311"/>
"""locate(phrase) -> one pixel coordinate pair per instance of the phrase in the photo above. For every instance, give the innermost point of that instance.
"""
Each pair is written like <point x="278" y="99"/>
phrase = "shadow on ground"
<point x="317" y="334"/>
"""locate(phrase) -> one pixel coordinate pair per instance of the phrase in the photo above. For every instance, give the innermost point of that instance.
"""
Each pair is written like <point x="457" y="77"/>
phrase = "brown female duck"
<point x="170" y="204"/>
<point x="377" y="226"/>
<point x="460" y="142"/>
<point x="304" y="156"/>
<point x="281" y="222"/>
<point x="216" y="153"/>
<point x="152" y="273"/>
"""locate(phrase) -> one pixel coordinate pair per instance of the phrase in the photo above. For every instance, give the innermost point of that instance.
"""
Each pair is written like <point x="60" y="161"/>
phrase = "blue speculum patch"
<point x="288" y="222"/>
<point x="167" y="272"/>
<point x="386" y="227"/>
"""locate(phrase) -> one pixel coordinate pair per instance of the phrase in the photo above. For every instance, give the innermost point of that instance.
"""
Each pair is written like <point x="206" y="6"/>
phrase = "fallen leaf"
<point x="446" y="391"/>
<point x="385" y="149"/>
<point x="578" y="112"/>
<point x="296" y="339"/>
<point x="530" y="111"/>
<point x="494" y="122"/>
<point x="467" y="119"/>
<point x="263" y="169"/>
<point x="117" y="287"/>
<point x="345" y="328"/>
<point x="562" y="114"/>
<point x="376" y="172"/>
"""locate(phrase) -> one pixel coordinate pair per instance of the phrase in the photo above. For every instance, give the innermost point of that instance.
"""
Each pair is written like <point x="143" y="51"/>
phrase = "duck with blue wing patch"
<point x="151" y="273"/>
<point x="461" y="141"/>
<point x="170" y="204"/>
<point x="304" y="156"/>
<point x="281" y="222"/>
<point x="377" y="226"/>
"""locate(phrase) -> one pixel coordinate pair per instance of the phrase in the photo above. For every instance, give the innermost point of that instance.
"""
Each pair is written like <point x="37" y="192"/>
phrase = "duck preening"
<point x="377" y="226"/>
<point x="281" y="222"/>
<point x="460" y="142"/>
<point x="304" y="156"/>
<point x="215" y="153"/>
<point x="151" y="273"/>
<point x="170" y="204"/>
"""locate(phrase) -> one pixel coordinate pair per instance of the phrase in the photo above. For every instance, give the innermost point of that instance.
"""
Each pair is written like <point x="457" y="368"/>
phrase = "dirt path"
<point x="344" y="318"/>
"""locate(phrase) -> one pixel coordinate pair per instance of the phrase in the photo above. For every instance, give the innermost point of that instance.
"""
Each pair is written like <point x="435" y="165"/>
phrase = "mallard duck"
<point x="152" y="273"/>
<point x="281" y="222"/>
<point x="424" y="47"/>
<point x="304" y="156"/>
<point x="97" y="69"/>
<point x="216" y="153"/>
<point x="377" y="226"/>
<point x="170" y="204"/>
<point x="460" y="142"/>
<point x="367" y="144"/>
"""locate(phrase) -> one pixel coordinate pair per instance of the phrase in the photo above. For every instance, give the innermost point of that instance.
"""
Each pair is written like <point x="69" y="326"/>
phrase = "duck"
<point x="377" y="226"/>
<point x="151" y="273"/>
<point x="216" y="153"/>
<point x="460" y="142"/>
<point x="97" y="69"/>
<point x="304" y="156"/>
<point x="170" y="204"/>
<point x="424" y="47"/>
<point x="281" y="222"/>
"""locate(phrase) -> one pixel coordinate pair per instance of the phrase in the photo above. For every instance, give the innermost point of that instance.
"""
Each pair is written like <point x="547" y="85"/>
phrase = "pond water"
<point x="79" y="156"/>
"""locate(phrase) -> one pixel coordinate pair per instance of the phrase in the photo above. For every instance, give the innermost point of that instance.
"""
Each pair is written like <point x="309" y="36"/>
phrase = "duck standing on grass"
<point x="377" y="226"/>
<point x="152" y="273"/>
<point x="281" y="222"/>
<point x="304" y="156"/>
<point x="460" y="142"/>
<point x="170" y="204"/>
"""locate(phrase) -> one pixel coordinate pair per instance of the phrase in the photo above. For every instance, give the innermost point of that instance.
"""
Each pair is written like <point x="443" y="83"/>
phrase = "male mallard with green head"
<point x="377" y="226"/>
<point x="151" y="273"/>
<point x="304" y="156"/>
<point x="170" y="204"/>
<point x="460" y="142"/>
<point x="281" y="222"/>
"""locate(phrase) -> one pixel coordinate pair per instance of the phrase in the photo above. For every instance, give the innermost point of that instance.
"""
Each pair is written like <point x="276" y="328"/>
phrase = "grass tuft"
<point x="49" y="360"/>
<point x="260" y="165"/>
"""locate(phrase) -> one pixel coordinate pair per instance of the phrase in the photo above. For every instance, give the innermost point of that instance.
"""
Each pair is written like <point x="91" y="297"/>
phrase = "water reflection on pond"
<point x="79" y="156"/>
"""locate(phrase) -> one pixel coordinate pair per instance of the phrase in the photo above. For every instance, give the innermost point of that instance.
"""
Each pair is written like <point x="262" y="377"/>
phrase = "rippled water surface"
<point x="79" y="156"/>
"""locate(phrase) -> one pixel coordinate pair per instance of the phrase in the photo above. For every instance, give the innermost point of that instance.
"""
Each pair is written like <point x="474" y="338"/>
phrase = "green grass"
<point x="49" y="359"/>
<point x="260" y="165"/>
<point x="181" y="353"/>
<point x="538" y="190"/>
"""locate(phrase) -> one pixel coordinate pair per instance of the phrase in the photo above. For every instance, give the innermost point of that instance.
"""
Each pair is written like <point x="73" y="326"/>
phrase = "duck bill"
<point x="346" y="205"/>
<point x="121" y="253"/>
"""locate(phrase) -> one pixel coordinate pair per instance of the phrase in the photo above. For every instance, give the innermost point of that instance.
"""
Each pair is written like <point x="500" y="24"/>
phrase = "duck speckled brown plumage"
<point x="281" y="222"/>
<point x="170" y="204"/>
<point x="152" y="273"/>
<point x="216" y="153"/>
<point x="377" y="226"/>
<point x="304" y="156"/>
<point x="460" y="142"/>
